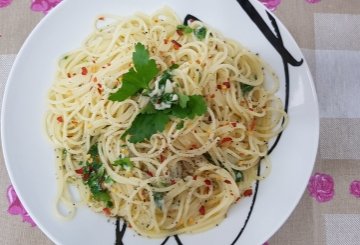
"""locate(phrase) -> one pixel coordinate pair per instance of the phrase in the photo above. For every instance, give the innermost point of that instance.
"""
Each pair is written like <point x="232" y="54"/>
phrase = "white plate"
<point x="30" y="158"/>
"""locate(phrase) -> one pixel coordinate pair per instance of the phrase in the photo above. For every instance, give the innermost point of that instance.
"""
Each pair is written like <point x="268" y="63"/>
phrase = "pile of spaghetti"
<point x="160" y="123"/>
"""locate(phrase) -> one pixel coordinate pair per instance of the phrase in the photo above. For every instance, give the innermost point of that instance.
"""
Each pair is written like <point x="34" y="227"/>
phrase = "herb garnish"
<point x="150" y="121"/>
<point x="159" y="199"/>
<point x="124" y="163"/>
<point x="239" y="176"/>
<point x="164" y="102"/>
<point x="185" y="29"/>
<point x="200" y="32"/>
<point x="93" y="175"/>
<point x="245" y="88"/>
<point x="137" y="78"/>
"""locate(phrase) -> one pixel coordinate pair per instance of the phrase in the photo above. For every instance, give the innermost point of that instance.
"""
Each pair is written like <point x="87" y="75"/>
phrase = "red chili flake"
<point x="225" y="140"/>
<point x="100" y="90"/>
<point x="227" y="84"/>
<point x="179" y="32"/>
<point x="107" y="211"/>
<point x="248" y="193"/>
<point x="101" y="18"/>
<point x="68" y="75"/>
<point x="252" y="125"/>
<point x="234" y="124"/>
<point x="176" y="44"/>
<point x="219" y="86"/>
<point x="207" y="182"/>
<point x="84" y="71"/>
<point x="79" y="171"/>
<point x="227" y="181"/>
<point x="237" y="199"/>
<point x="99" y="85"/>
<point x="193" y="146"/>
<point x="166" y="41"/>
<point x="162" y="158"/>
<point x="173" y="182"/>
<point x="195" y="177"/>
<point x="86" y="177"/>
<point x="149" y="173"/>
<point x="202" y="210"/>
<point x="60" y="119"/>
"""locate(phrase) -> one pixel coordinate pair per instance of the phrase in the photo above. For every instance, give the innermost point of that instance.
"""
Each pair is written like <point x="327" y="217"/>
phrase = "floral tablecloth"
<point x="328" y="33"/>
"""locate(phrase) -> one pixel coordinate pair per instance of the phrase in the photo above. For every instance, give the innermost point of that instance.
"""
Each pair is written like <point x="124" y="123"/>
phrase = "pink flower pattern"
<point x="313" y="1"/>
<point x="46" y="5"/>
<point x="355" y="188"/>
<point x="43" y="5"/>
<point x="16" y="208"/>
<point x="321" y="187"/>
<point x="271" y="4"/>
<point x="4" y="3"/>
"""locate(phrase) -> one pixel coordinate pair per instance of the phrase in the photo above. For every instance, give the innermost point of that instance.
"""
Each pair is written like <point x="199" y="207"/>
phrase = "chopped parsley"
<point x="245" y="88"/>
<point x="239" y="176"/>
<point x="200" y="33"/>
<point x="159" y="199"/>
<point x="184" y="28"/>
<point x="124" y="163"/>
<point x="93" y="175"/>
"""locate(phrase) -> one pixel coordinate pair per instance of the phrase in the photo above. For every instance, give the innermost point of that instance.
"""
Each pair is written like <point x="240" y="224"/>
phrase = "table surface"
<point x="328" y="34"/>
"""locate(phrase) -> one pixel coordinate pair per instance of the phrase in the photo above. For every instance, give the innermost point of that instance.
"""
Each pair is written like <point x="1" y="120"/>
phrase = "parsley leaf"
<point x="245" y="88"/>
<point x="145" y="125"/>
<point x="167" y="74"/>
<point x="148" y="109"/>
<point x="200" y="33"/>
<point x="183" y="100"/>
<point x="196" y="106"/>
<point x="124" y="163"/>
<point x="138" y="77"/>
<point x="151" y="121"/>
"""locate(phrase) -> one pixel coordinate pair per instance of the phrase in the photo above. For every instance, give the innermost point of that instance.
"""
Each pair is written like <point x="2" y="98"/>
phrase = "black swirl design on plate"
<point x="275" y="39"/>
<point x="120" y="232"/>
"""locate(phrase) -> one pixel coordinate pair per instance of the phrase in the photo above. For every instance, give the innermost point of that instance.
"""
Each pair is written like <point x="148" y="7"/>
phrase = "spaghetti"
<point x="183" y="177"/>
